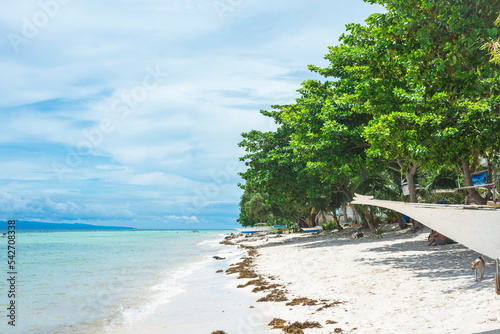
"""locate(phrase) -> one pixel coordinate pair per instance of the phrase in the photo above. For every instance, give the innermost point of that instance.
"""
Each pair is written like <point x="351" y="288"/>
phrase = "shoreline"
<point x="396" y="284"/>
<point x="209" y="301"/>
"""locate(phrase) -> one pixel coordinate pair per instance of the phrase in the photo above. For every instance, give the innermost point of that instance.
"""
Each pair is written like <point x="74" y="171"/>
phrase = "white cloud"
<point x="185" y="219"/>
<point x="177" y="146"/>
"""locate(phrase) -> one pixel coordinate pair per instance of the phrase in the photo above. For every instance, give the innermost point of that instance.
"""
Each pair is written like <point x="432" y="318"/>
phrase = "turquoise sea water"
<point x="94" y="281"/>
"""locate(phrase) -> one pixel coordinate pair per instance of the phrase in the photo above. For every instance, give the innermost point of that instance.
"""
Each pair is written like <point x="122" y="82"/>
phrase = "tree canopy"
<point x="411" y="89"/>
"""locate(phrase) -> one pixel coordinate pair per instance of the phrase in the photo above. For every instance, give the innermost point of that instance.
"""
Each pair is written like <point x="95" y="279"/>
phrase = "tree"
<point x="328" y="140"/>
<point x="493" y="46"/>
<point x="274" y="171"/>
<point x="255" y="208"/>
<point x="422" y="59"/>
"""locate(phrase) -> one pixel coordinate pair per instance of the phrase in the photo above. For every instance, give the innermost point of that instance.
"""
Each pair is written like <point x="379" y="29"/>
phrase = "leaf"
<point x="492" y="32"/>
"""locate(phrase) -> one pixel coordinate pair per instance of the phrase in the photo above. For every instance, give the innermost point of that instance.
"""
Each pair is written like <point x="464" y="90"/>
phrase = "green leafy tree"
<point x="421" y="61"/>
<point x="255" y="208"/>
<point x="494" y="45"/>
<point x="272" y="170"/>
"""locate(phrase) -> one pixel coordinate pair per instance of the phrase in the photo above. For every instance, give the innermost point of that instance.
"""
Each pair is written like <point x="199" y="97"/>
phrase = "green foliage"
<point x="412" y="87"/>
<point x="255" y="205"/>
<point x="330" y="225"/>
<point x="379" y="233"/>
<point x="402" y="136"/>
<point x="493" y="46"/>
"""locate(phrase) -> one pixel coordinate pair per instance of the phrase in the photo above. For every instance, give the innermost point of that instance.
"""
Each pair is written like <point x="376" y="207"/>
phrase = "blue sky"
<point x="129" y="112"/>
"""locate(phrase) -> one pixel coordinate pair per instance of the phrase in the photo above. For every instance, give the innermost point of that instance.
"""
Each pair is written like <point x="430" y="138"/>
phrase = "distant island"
<point x="26" y="225"/>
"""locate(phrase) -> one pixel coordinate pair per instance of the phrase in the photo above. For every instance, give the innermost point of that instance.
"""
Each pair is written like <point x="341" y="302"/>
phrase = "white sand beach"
<point x="396" y="284"/>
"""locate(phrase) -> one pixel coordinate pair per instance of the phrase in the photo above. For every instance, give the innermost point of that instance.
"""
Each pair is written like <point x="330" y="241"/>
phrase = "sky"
<point x="129" y="113"/>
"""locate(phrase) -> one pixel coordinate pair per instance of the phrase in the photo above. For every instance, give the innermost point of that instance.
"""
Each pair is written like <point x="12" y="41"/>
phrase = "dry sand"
<point x="396" y="284"/>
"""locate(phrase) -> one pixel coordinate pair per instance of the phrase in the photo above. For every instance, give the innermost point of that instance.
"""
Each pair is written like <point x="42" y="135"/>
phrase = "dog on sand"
<point x="478" y="266"/>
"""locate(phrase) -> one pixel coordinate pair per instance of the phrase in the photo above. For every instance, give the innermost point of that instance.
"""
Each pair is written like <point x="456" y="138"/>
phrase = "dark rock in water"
<point x="219" y="258"/>
<point x="357" y="235"/>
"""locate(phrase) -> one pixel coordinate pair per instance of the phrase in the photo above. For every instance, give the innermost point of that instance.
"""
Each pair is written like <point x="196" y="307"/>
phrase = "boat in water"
<point x="260" y="227"/>
<point x="475" y="226"/>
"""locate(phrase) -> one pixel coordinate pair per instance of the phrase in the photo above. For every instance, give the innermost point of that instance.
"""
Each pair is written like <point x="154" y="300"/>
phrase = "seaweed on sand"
<point x="243" y="268"/>
<point x="227" y="242"/>
<point x="329" y="305"/>
<point x="303" y="301"/>
<point x="257" y="282"/>
<point x="266" y="287"/>
<point x="297" y="327"/>
<point x="277" y="323"/>
<point x="275" y="296"/>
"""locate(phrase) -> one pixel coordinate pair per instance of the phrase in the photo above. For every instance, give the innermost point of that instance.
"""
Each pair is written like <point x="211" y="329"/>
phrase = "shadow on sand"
<point x="447" y="262"/>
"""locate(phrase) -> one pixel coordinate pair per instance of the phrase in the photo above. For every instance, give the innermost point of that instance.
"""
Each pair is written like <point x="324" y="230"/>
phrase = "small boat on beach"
<point x="475" y="226"/>
<point x="260" y="227"/>
<point x="312" y="229"/>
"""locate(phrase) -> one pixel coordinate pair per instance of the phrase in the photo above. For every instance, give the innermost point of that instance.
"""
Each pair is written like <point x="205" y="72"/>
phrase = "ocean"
<point x="97" y="281"/>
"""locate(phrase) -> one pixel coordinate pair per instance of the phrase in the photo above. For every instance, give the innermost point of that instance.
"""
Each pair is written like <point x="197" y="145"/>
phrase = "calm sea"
<point x="93" y="281"/>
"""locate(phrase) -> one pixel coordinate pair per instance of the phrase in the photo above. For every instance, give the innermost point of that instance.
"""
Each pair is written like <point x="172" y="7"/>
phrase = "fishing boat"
<point x="312" y="229"/>
<point x="260" y="227"/>
<point x="475" y="226"/>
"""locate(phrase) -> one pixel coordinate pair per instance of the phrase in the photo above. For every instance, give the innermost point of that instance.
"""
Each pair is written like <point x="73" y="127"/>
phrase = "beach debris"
<point x="218" y="332"/>
<point x="329" y="305"/>
<point x="219" y="271"/>
<point x="266" y="287"/>
<point x="243" y="268"/>
<point x="218" y="257"/>
<point x="294" y="328"/>
<point x="277" y="323"/>
<point x="252" y="307"/>
<point x="227" y="242"/>
<point x="338" y="330"/>
<point x="275" y="296"/>
<point x="257" y="282"/>
<point x="252" y="252"/>
<point x="294" y="331"/>
<point x="331" y="322"/>
<point x="297" y="327"/>
<point x="303" y="301"/>
<point x="357" y="235"/>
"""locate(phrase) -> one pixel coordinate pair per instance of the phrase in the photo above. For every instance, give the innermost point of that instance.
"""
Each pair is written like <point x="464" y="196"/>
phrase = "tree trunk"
<point x="410" y="176"/>
<point x="401" y="224"/>
<point x="337" y="222"/>
<point x="364" y="222"/>
<point x="356" y="216"/>
<point x="472" y="192"/>
<point x="411" y="183"/>
<point x="344" y="211"/>
<point x="370" y="222"/>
